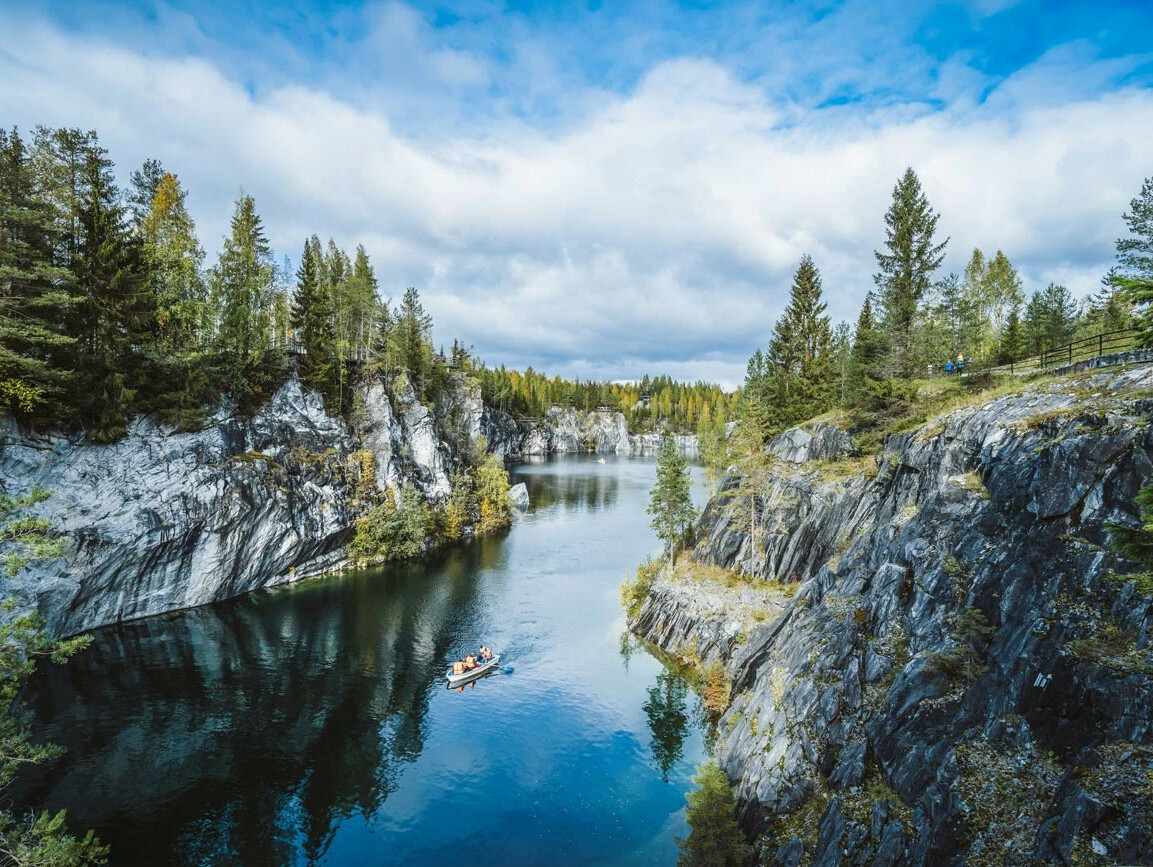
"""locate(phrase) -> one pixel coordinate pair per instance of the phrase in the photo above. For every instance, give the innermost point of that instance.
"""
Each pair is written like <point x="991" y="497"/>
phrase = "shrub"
<point x="393" y="530"/>
<point x="715" y="839"/>
<point x="715" y="687"/>
<point x="633" y="592"/>
<point x="965" y="660"/>
<point x="492" y="494"/>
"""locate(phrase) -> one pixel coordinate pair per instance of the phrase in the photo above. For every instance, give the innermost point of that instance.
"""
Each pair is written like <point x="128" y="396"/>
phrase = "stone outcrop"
<point x="165" y="520"/>
<point x="965" y="673"/>
<point x="570" y="431"/>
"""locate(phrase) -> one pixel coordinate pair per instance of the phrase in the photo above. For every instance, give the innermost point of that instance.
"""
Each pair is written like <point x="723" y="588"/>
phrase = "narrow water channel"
<point x="312" y="725"/>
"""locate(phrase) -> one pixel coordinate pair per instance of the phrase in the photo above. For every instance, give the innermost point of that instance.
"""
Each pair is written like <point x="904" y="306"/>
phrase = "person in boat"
<point x="485" y="654"/>
<point x="470" y="662"/>
<point x="458" y="667"/>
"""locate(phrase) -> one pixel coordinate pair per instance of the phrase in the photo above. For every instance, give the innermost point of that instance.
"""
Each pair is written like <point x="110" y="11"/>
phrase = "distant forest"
<point x="107" y="310"/>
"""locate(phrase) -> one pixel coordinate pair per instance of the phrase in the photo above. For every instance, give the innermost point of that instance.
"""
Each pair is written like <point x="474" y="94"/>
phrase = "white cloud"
<point x="659" y="234"/>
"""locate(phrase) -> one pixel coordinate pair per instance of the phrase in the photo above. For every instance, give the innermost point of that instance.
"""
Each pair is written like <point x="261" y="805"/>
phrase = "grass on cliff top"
<point x="690" y="570"/>
<point x="921" y="403"/>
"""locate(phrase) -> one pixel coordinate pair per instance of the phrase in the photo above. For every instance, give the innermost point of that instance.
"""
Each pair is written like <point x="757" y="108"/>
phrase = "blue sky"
<point x="613" y="188"/>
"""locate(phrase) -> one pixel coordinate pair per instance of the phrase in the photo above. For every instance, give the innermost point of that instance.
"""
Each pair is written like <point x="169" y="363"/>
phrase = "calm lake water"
<point x="312" y="724"/>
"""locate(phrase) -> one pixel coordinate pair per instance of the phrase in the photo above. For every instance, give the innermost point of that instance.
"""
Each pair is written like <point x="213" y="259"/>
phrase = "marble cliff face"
<point x="964" y="673"/>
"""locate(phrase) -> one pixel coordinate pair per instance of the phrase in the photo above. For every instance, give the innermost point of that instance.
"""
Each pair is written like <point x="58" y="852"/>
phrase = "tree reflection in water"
<point x="246" y="732"/>
<point x="668" y="720"/>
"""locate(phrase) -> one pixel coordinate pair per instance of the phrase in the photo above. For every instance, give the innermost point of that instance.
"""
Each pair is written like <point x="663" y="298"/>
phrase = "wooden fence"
<point x="1084" y="349"/>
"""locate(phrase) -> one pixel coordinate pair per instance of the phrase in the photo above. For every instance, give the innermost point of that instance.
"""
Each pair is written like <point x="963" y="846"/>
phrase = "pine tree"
<point x="1135" y="258"/>
<point x="798" y="366"/>
<point x="312" y="323"/>
<point x="412" y="341"/>
<point x="715" y="839"/>
<point x="868" y="350"/>
<point x="1013" y="339"/>
<point x="906" y="270"/>
<point x="671" y="502"/>
<point x="35" y="293"/>
<point x="115" y="314"/>
<point x="1135" y="253"/>
<point x="241" y="285"/>
<point x="143" y="186"/>
<point x="174" y="259"/>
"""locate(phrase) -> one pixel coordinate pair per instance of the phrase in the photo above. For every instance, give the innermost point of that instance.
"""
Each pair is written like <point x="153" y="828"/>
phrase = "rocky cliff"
<point x="568" y="431"/>
<point x="964" y="674"/>
<point x="165" y="520"/>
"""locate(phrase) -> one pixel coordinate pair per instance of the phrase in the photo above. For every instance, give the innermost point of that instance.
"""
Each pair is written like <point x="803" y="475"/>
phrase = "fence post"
<point x="1100" y="344"/>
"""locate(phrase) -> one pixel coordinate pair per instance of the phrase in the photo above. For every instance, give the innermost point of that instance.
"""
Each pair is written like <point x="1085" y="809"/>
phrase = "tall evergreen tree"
<point x="868" y="350"/>
<point x="241" y="284"/>
<point x="412" y="341"/>
<point x="671" y="501"/>
<point x="35" y="293"/>
<point x="906" y="270"/>
<point x="715" y="839"/>
<point x="1013" y="341"/>
<point x="1135" y="258"/>
<point x="143" y="186"/>
<point x="798" y="364"/>
<point x="115" y="314"/>
<point x="175" y="260"/>
<point x="312" y="320"/>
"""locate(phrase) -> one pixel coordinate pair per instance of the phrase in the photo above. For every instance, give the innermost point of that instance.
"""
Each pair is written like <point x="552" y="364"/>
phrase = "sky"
<point x="610" y="189"/>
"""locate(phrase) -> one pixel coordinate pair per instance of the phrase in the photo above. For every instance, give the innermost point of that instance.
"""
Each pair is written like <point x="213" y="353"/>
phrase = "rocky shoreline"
<point x="965" y="672"/>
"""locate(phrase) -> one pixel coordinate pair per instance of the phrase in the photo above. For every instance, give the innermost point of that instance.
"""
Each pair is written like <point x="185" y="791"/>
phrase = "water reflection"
<point x="268" y="719"/>
<point x="668" y="720"/>
<point x="312" y="724"/>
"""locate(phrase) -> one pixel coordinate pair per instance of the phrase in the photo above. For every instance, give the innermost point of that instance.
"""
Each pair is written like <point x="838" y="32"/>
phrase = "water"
<point x="312" y="724"/>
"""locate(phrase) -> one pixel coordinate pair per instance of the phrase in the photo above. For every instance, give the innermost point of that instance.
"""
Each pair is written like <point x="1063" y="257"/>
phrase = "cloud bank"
<point x="656" y="228"/>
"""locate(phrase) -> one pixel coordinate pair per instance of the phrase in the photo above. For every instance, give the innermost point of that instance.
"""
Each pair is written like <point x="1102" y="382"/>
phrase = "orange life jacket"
<point x="470" y="662"/>
<point x="458" y="668"/>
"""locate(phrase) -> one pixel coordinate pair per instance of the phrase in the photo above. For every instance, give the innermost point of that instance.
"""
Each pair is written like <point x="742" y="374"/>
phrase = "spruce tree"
<point x="671" y="502"/>
<point x="798" y="366"/>
<point x="242" y="283"/>
<point x="35" y="293"/>
<point x="312" y="323"/>
<point x="715" y="839"/>
<point x="175" y="260"/>
<point x="868" y="350"/>
<point x="906" y="270"/>
<point x="412" y="341"/>
<point x="1135" y="258"/>
<point x="115" y="314"/>
<point x="1013" y="338"/>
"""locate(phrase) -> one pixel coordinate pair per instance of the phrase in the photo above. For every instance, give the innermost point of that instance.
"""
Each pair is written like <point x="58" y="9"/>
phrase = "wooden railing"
<point x="1086" y="348"/>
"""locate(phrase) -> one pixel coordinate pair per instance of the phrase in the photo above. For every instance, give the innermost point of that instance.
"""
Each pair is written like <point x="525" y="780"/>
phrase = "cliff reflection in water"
<point x="267" y="719"/>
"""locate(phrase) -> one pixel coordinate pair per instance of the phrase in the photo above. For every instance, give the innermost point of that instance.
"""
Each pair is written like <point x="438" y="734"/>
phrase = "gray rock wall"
<point x="165" y="520"/>
<point x="960" y="678"/>
<point x="570" y="431"/>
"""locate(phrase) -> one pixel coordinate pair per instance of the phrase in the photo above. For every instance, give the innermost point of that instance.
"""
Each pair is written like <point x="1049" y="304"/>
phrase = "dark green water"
<point x="312" y="724"/>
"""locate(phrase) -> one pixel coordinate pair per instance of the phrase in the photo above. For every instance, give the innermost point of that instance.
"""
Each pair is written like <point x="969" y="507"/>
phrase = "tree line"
<point x="107" y="307"/>
<point x="659" y="404"/>
<point x="913" y="322"/>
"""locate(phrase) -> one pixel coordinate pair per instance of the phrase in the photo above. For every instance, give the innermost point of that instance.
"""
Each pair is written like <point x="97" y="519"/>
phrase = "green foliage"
<point x="715" y="839"/>
<point x="793" y="380"/>
<point x="492" y="495"/>
<point x="866" y="355"/>
<point x="634" y="592"/>
<point x="716" y="689"/>
<point x="965" y="660"/>
<point x="30" y="839"/>
<point x="396" y="529"/>
<point x="668" y="720"/>
<point x="671" y="502"/>
<point x="660" y="404"/>
<point x="241" y="286"/>
<point x="905" y="270"/>
<point x="1136" y="543"/>
<point x="25" y="538"/>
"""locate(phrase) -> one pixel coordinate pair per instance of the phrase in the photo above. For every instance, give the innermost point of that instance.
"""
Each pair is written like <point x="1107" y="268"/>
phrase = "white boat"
<point x="458" y="679"/>
<point x="600" y="460"/>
